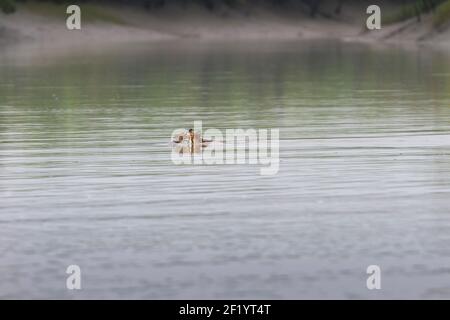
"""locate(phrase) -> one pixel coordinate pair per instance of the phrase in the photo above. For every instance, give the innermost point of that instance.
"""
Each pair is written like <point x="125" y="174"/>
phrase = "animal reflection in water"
<point x="190" y="143"/>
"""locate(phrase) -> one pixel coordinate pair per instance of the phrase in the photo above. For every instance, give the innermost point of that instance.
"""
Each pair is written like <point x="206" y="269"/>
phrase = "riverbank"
<point x="44" y="24"/>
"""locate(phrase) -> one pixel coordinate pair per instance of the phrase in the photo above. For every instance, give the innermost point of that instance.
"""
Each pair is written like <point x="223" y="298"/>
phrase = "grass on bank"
<point x="442" y="14"/>
<point x="406" y="12"/>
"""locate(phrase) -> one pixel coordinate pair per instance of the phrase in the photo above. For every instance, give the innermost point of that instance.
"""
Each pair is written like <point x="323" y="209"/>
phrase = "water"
<point x="86" y="176"/>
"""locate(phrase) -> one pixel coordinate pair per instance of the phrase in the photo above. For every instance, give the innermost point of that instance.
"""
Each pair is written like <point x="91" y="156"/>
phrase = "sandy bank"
<point x="44" y="25"/>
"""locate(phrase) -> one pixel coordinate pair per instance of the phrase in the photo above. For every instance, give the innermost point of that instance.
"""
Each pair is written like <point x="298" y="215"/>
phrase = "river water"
<point x="86" y="175"/>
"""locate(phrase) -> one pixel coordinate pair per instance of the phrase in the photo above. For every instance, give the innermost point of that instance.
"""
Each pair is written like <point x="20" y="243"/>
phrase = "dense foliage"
<point x="7" y="6"/>
<point x="409" y="8"/>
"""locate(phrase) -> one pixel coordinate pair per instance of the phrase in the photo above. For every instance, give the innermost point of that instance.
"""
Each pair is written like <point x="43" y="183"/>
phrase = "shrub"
<point x="442" y="15"/>
<point x="7" y="6"/>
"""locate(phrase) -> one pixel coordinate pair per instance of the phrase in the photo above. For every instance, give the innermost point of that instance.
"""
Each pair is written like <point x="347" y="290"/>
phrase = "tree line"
<point x="312" y="7"/>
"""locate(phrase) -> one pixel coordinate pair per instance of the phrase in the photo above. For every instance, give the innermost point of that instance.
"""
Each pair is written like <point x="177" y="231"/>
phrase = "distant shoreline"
<point x="45" y="26"/>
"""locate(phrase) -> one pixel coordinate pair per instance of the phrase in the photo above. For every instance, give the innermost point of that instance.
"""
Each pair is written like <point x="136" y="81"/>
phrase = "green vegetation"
<point x="406" y="12"/>
<point x="411" y="9"/>
<point x="96" y="14"/>
<point x="407" y="9"/>
<point x="91" y="12"/>
<point x="442" y="15"/>
<point x="7" y="6"/>
<point x="311" y="7"/>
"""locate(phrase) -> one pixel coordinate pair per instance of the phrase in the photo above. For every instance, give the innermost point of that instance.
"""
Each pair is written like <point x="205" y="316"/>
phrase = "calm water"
<point x="86" y="176"/>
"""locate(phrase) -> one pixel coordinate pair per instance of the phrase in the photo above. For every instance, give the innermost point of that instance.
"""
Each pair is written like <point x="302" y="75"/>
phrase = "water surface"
<point x="86" y="176"/>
